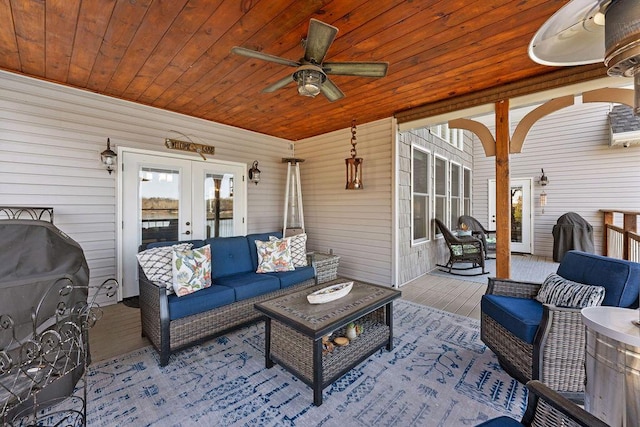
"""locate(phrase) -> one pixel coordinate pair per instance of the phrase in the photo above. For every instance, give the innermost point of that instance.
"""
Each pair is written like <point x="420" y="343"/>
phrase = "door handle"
<point x="187" y="232"/>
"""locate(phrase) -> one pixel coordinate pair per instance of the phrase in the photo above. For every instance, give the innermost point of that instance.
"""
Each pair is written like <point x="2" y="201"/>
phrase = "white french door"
<point x="168" y="198"/>
<point x="521" y="209"/>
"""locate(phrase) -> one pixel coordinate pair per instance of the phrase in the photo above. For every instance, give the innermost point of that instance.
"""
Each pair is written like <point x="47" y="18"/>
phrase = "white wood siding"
<point x="585" y="174"/>
<point x="51" y="138"/>
<point x="356" y="224"/>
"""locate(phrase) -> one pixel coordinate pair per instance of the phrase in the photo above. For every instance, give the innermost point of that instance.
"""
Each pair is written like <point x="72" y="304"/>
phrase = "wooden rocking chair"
<point x="462" y="249"/>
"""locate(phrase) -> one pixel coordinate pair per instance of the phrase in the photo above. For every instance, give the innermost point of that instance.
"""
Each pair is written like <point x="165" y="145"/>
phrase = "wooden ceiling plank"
<point x="192" y="18"/>
<point x="126" y="19"/>
<point x="93" y="20"/>
<point x="360" y="15"/>
<point x="217" y="88"/>
<point x="434" y="57"/>
<point x="156" y="22"/>
<point x="413" y="59"/>
<point x="60" y="21"/>
<point x="9" y="56"/>
<point x="28" y="21"/>
<point x="224" y="18"/>
<point x="252" y="22"/>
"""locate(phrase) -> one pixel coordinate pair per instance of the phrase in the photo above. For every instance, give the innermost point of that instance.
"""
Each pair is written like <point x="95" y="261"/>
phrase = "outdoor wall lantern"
<point x="109" y="157"/>
<point x="354" y="164"/>
<point x="544" y="179"/>
<point x="254" y="173"/>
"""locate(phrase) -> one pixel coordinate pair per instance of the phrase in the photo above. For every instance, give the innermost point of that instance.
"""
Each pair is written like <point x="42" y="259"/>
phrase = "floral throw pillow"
<point x="274" y="255"/>
<point x="191" y="270"/>
<point x="156" y="264"/>
<point x="298" y="248"/>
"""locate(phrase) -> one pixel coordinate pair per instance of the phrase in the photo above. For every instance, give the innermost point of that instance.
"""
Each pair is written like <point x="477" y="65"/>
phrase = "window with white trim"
<point x="455" y="191"/>
<point x="440" y="189"/>
<point x="466" y="185"/>
<point x="420" y="218"/>
<point x="454" y="137"/>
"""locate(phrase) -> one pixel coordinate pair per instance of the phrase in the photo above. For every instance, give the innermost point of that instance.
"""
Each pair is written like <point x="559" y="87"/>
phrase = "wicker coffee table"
<point x="294" y="330"/>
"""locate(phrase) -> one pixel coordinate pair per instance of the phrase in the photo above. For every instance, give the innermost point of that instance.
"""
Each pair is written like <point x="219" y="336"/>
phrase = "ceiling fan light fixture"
<point x="309" y="79"/>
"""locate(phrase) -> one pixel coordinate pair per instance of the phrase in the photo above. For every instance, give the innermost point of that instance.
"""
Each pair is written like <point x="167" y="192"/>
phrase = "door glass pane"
<point x="218" y="198"/>
<point x="516" y="214"/>
<point x="159" y="204"/>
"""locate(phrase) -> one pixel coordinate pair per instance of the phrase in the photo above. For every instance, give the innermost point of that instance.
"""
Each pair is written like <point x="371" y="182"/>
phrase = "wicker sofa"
<point x="172" y="323"/>
<point x="547" y="342"/>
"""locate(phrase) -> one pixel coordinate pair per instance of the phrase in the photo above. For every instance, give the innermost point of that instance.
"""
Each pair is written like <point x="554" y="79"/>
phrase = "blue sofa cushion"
<point x="290" y="278"/>
<point x="200" y="301"/>
<point x="620" y="278"/>
<point x="251" y="238"/>
<point x="502" y="421"/>
<point x="247" y="285"/>
<point x="229" y="256"/>
<point x="520" y="316"/>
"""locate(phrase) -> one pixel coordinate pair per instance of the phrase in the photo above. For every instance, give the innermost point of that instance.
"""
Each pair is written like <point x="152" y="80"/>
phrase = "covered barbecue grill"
<point x="44" y="280"/>
<point x="571" y="232"/>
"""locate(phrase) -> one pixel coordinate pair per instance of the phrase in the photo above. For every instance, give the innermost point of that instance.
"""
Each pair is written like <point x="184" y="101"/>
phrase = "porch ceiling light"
<point x="108" y="157"/>
<point x="309" y="79"/>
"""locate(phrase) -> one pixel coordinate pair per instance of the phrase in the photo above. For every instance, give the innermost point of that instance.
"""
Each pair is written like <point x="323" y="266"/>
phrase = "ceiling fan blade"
<point x="571" y="36"/>
<point x="319" y="38"/>
<point x="361" y="69"/>
<point x="278" y="85"/>
<point x="264" y="56"/>
<point x="331" y="91"/>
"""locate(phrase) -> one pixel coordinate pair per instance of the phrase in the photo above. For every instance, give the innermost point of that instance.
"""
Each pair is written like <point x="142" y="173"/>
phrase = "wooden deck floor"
<point x="118" y="331"/>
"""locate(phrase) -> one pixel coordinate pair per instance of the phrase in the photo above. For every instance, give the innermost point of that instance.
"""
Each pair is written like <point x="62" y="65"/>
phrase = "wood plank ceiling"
<point x="175" y="54"/>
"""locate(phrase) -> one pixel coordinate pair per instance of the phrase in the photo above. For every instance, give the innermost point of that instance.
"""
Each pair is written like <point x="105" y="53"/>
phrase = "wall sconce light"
<point x="544" y="179"/>
<point x="354" y="164"/>
<point x="254" y="173"/>
<point x="109" y="157"/>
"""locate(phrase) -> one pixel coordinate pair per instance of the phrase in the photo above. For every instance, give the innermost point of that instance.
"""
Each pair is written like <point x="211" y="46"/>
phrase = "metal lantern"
<point x="354" y="164"/>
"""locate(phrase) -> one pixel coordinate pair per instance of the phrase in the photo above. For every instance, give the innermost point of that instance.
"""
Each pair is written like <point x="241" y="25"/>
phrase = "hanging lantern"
<point x="354" y="164"/>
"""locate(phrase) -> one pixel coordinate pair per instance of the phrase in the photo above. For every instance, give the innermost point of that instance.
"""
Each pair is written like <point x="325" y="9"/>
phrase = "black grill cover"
<point x="571" y="232"/>
<point x="35" y="255"/>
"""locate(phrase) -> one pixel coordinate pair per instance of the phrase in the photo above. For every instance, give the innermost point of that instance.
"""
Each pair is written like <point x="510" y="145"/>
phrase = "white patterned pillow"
<point x="298" y="248"/>
<point x="191" y="270"/>
<point x="562" y="292"/>
<point x="274" y="255"/>
<point x="156" y="264"/>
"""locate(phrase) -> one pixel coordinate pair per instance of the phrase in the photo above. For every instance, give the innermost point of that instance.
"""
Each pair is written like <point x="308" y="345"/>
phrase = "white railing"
<point x="615" y="242"/>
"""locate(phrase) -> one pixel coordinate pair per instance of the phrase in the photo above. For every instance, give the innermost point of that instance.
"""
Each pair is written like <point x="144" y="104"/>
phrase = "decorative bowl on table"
<point x="330" y="293"/>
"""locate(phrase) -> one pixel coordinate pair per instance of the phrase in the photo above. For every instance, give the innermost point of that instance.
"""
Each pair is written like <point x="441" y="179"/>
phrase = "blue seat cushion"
<point x="200" y="301"/>
<point x="290" y="278"/>
<point x="502" y="421"/>
<point x="229" y="256"/>
<point x="264" y="237"/>
<point x="247" y="285"/>
<point x="620" y="278"/>
<point x="520" y="316"/>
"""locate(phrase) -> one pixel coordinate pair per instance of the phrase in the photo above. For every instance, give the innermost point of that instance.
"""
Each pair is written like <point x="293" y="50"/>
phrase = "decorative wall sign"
<point x="202" y="149"/>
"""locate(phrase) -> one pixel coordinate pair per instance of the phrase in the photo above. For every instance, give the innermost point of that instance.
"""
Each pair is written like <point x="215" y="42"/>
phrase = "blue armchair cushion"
<point x="520" y="316"/>
<point x="290" y="278"/>
<point x="199" y="302"/>
<point x="248" y="285"/>
<point x="502" y="421"/>
<point x="620" y="278"/>
<point x="229" y="255"/>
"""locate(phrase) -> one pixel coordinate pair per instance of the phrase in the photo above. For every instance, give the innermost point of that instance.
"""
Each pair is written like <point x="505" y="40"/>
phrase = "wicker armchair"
<point x="547" y="342"/>
<point x="546" y="408"/>
<point x="488" y="237"/>
<point x="462" y="249"/>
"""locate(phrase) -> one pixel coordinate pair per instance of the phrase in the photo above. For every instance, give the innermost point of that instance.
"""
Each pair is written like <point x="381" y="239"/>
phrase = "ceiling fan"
<point x="312" y="72"/>
<point x="591" y="31"/>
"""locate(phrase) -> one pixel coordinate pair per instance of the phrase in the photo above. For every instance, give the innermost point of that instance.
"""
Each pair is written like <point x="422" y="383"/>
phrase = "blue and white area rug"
<point x="438" y="374"/>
